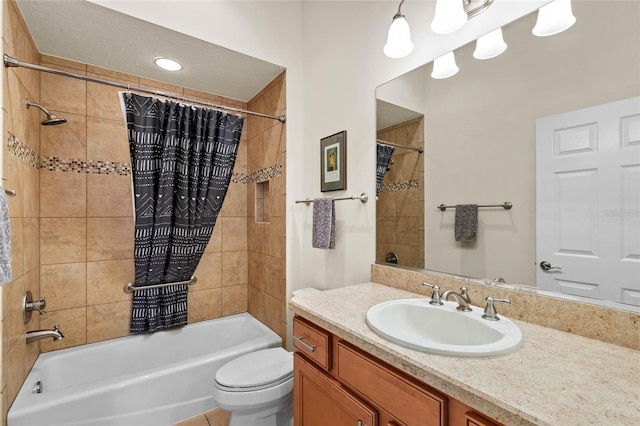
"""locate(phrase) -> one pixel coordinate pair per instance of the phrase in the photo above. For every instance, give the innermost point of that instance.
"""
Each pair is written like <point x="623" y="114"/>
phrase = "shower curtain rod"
<point x="13" y="62"/>
<point x="420" y="150"/>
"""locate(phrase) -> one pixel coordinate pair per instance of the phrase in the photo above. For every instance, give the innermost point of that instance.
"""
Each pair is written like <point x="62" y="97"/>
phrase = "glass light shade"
<point x="445" y="66"/>
<point x="399" y="39"/>
<point x="490" y="45"/>
<point x="554" y="18"/>
<point x="449" y="17"/>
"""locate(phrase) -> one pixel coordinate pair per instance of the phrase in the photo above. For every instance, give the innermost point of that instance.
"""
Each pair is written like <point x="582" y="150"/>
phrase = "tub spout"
<point x="55" y="334"/>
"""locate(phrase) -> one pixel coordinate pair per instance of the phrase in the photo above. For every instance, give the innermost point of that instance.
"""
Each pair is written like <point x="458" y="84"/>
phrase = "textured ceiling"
<point x="88" y="33"/>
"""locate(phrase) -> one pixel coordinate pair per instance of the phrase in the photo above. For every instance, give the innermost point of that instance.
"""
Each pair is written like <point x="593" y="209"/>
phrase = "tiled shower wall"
<point x="266" y="239"/>
<point x="20" y="173"/>
<point x="72" y="221"/>
<point x="86" y="227"/>
<point x="400" y="205"/>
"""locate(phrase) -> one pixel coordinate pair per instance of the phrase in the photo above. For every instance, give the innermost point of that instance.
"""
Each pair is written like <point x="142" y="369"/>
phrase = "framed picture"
<point x="333" y="162"/>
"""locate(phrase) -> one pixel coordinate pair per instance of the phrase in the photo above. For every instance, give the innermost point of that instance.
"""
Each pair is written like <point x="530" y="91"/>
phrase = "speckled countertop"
<point x="555" y="379"/>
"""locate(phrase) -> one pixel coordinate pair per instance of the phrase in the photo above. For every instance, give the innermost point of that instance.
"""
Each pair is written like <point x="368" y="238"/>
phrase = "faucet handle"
<point x="435" y="296"/>
<point x="464" y="293"/>
<point x="490" y="312"/>
<point x="39" y="306"/>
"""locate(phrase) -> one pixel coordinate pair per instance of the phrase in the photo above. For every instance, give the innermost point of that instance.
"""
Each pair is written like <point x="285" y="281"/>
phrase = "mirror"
<point x="480" y="147"/>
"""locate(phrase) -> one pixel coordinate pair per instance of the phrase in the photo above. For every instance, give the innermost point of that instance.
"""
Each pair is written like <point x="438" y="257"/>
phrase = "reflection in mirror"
<point x="400" y="198"/>
<point x="480" y="148"/>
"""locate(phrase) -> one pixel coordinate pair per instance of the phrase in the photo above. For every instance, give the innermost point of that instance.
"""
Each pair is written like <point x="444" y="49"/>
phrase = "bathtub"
<point x="158" y="379"/>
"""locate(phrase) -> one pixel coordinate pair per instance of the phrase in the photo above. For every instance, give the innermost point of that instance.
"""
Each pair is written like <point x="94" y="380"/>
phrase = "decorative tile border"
<point x="265" y="174"/>
<point x="400" y="186"/>
<point x="55" y="164"/>
<point x="259" y="175"/>
<point x="22" y="151"/>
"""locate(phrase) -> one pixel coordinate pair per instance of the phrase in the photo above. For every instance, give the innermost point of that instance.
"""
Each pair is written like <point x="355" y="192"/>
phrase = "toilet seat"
<point x="256" y="371"/>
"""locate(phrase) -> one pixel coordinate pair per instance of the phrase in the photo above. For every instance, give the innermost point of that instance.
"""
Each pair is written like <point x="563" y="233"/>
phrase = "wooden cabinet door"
<point x="320" y="400"/>
<point x="407" y="401"/>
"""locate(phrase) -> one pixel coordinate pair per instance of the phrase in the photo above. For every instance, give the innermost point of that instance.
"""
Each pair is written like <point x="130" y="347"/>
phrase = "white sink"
<point x="442" y="330"/>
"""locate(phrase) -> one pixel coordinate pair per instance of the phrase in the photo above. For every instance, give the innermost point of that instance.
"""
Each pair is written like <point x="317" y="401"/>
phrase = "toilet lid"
<point x="255" y="369"/>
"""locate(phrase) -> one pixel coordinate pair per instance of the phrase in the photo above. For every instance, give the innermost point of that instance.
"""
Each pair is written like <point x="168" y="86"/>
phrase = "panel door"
<point x="588" y="202"/>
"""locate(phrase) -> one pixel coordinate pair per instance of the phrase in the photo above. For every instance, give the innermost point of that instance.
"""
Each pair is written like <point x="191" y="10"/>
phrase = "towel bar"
<point x="362" y="197"/>
<point x="506" y="205"/>
<point x="131" y="287"/>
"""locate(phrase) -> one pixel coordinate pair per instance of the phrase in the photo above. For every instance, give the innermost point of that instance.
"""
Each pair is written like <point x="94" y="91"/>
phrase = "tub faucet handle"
<point x="39" y="305"/>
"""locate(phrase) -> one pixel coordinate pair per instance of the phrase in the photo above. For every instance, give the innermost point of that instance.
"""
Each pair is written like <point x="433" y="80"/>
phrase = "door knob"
<point x="546" y="266"/>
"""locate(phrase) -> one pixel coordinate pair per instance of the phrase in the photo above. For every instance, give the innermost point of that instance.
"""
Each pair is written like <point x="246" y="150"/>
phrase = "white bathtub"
<point x="141" y="380"/>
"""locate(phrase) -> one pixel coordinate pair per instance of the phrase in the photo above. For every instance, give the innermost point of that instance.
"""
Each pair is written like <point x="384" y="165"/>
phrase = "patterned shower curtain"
<point x="382" y="163"/>
<point x="182" y="158"/>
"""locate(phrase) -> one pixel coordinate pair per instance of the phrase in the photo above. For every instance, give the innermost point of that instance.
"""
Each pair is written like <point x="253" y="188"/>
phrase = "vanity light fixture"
<point x="399" y="42"/>
<point x="553" y="18"/>
<point x="490" y="45"/>
<point x="167" y="63"/>
<point x="444" y="66"/>
<point x="451" y="15"/>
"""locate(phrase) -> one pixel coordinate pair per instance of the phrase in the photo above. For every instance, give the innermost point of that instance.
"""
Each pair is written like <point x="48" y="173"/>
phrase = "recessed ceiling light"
<point x="167" y="64"/>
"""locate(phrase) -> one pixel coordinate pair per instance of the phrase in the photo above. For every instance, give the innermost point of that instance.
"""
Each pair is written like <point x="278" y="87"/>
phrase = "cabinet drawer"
<point x="313" y="341"/>
<point x="404" y="399"/>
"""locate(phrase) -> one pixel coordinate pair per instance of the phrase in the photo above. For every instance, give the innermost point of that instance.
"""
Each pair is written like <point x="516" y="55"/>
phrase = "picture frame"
<point x="333" y="162"/>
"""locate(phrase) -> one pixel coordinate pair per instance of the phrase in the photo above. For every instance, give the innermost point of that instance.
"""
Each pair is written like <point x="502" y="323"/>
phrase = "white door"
<point x="588" y="202"/>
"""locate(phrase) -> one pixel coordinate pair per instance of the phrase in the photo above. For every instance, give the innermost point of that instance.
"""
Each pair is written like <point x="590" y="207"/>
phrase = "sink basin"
<point x="443" y="330"/>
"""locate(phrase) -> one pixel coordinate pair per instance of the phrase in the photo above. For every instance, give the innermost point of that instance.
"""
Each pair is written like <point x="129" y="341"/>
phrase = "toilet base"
<point x="280" y="414"/>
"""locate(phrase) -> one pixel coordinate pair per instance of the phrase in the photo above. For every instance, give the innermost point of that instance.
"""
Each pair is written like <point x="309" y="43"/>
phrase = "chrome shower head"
<point x="51" y="119"/>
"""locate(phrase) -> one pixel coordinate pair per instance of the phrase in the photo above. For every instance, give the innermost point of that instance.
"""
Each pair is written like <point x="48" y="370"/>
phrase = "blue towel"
<point x="466" y="225"/>
<point x="324" y="224"/>
<point x="5" y="241"/>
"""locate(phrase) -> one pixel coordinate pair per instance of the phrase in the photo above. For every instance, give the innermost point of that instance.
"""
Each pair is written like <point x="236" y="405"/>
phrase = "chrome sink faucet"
<point x="435" y="296"/>
<point x="55" y="334"/>
<point x="463" y="299"/>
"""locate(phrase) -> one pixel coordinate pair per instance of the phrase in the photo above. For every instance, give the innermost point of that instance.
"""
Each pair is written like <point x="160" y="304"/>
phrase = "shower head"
<point x="51" y="119"/>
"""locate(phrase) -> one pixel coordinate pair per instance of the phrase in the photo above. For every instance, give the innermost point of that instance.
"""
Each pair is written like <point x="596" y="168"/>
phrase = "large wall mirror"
<point x="551" y="126"/>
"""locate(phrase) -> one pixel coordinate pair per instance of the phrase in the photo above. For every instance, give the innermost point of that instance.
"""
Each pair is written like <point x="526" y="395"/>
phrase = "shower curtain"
<point x="182" y="158"/>
<point x="382" y="163"/>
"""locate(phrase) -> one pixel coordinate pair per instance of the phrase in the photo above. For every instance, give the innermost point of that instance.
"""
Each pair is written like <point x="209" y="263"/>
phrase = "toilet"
<point x="257" y="388"/>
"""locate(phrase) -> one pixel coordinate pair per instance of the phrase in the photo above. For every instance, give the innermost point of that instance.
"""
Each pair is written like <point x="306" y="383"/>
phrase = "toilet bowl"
<point x="257" y="388"/>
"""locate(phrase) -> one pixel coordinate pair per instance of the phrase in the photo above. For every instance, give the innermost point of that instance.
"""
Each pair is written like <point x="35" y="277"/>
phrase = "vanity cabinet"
<point x="336" y="383"/>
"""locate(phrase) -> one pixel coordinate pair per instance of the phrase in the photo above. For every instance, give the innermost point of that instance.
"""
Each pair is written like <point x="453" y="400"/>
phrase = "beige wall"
<point x="72" y="221"/>
<point x="400" y="204"/>
<point x="480" y="131"/>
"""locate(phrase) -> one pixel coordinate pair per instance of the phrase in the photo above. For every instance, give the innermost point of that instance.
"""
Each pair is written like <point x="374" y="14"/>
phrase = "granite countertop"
<point x="555" y="378"/>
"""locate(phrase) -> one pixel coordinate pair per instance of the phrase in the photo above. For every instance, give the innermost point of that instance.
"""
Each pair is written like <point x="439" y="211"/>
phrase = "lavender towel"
<point x="324" y="224"/>
<point x="5" y="241"/>
<point x="466" y="225"/>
